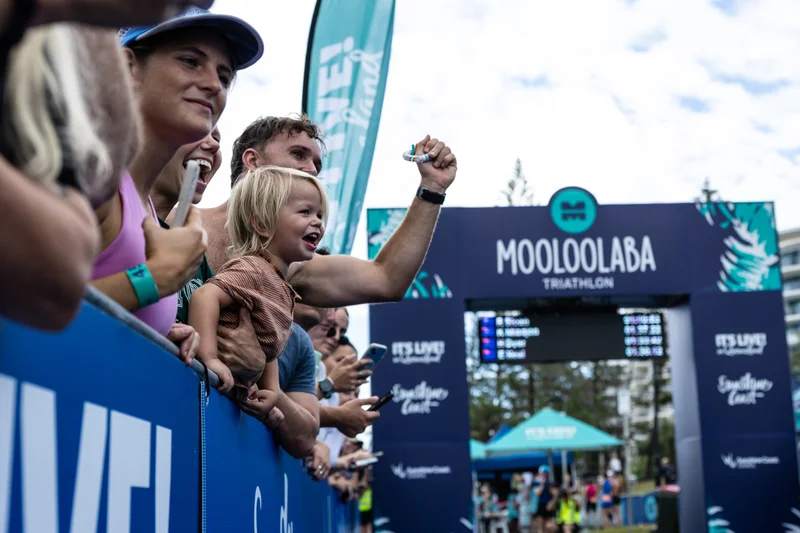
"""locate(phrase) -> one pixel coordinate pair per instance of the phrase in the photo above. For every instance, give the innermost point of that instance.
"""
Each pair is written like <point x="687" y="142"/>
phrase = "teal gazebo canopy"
<point x="551" y="430"/>
<point x="477" y="450"/>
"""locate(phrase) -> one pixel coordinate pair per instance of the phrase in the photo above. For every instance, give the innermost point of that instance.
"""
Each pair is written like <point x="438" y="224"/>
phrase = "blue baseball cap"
<point x="245" y="43"/>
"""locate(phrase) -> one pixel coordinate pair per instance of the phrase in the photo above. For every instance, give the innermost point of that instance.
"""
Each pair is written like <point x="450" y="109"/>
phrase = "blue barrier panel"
<point x="99" y="431"/>
<point x="645" y="510"/>
<point x="252" y="484"/>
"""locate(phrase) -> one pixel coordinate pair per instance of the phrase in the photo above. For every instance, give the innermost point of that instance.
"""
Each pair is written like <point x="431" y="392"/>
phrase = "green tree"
<point x="495" y="392"/>
<point x="707" y="194"/>
<point x="794" y="358"/>
<point x="518" y="191"/>
<point x="648" y="447"/>
<point x="499" y="393"/>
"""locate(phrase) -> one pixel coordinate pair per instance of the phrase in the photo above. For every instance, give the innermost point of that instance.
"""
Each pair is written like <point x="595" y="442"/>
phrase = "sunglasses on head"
<point x="333" y="330"/>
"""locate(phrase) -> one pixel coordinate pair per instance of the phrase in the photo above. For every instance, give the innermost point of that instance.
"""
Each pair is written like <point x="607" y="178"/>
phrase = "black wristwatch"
<point x="326" y="386"/>
<point x="430" y="196"/>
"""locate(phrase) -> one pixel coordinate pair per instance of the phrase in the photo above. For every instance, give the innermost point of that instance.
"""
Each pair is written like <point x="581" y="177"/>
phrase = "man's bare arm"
<point x="298" y="432"/>
<point x="352" y="281"/>
<point x="338" y="280"/>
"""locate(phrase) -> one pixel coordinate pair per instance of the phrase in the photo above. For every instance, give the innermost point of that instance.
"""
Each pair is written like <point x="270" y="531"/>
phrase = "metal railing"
<point x="113" y="309"/>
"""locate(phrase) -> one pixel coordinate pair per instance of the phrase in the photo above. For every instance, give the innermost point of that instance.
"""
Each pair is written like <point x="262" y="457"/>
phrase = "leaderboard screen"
<point x="511" y="337"/>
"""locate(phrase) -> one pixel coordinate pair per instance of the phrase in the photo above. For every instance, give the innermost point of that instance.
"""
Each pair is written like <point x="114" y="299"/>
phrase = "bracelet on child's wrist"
<point x="143" y="285"/>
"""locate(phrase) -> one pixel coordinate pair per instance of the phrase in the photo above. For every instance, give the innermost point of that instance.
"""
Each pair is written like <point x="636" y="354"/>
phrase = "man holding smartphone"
<point x="344" y="371"/>
<point x="338" y="420"/>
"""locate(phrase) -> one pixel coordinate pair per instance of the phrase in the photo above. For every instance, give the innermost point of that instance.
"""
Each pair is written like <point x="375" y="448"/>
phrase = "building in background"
<point x="640" y="375"/>
<point x="790" y="270"/>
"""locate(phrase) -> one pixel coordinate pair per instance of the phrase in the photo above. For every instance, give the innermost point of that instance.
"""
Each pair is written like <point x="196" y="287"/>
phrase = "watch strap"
<point x="430" y="196"/>
<point x="327" y="389"/>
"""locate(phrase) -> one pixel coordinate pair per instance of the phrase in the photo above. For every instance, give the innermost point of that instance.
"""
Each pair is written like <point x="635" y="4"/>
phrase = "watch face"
<point x="326" y="385"/>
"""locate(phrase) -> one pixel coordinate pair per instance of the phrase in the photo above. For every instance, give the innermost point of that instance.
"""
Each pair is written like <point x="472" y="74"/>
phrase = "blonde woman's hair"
<point x="256" y="199"/>
<point x="68" y="101"/>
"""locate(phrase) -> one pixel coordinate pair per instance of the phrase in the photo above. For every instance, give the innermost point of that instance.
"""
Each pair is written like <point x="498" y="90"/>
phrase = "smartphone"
<point x="383" y="401"/>
<point x="375" y="352"/>
<point x="190" y="178"/>
<point x="363" y="462"/>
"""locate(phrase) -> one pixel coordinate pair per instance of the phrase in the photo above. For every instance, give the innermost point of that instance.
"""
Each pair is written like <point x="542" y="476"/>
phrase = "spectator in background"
<point x="350" y="418"/>
<point x="607" y="499"/>
<point x="486" y="503"/>
<point x="182" y="71"/>
<point x="328" y="397"/>
<point x="617" y="490"/>
<point x="337" y="420"/>
<point x="568" y="483"/>
<point x="344" y="369"/>
<point x="350" y="455"/>
<point x="542" y="489"/>
<point x="524" y="500"/>
<point x="533" y="503"/>
<point x="590" y="497"/>
<point x="615" y="464"/>
<point x="667" y="473"/>
<point x="568" y="511"/>
<point x="513" y="504"/>
<point x="365" y="503"/>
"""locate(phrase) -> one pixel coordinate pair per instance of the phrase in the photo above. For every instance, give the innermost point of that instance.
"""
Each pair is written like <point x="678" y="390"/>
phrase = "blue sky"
<point x="637" y="101"/>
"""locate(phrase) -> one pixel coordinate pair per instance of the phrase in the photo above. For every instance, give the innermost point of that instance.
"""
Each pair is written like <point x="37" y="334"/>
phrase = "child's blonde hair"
<point x="256" y="199"/>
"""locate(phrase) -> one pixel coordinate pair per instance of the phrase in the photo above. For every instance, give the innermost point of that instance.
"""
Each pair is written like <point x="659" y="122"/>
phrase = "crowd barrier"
<point x="643" y="509"/>
<point x="102" y="430"/>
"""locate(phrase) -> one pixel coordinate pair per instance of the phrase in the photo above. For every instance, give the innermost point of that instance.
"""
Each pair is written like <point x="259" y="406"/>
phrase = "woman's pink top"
<point x="128" y="250"/>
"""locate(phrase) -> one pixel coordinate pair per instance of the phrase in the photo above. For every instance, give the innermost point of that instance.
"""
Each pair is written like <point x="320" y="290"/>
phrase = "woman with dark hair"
<point x="182" y="70"/>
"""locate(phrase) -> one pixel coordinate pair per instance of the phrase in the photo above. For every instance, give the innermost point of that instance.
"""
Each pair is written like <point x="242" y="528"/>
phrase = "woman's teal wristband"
<point x="143" y="285"/>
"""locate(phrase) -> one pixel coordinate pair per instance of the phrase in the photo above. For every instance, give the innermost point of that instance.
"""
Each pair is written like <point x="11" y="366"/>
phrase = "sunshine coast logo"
<point x="419" y="400"/>
<point x="748" y="463"/>
<point x="733" y="344"/>
<point x="746" y="390"/>
<point x="419" y="472"/>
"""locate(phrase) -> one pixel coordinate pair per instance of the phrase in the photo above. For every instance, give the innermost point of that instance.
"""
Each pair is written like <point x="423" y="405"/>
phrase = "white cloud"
<point x="585" y="92"/>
